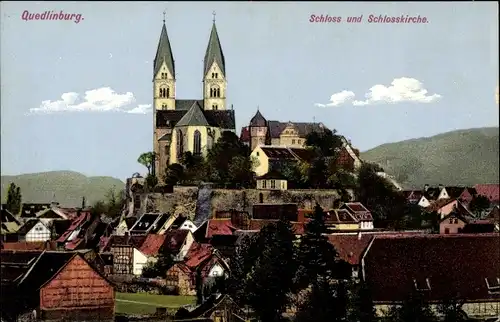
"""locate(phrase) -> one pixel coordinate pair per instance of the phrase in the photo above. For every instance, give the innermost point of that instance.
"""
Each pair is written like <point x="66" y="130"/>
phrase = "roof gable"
<point x="193" y="117"/>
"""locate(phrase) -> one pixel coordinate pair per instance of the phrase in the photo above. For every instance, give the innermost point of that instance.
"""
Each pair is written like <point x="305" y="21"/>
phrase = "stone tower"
<point x="214" y="74"/>
<point x="258" y="131"/>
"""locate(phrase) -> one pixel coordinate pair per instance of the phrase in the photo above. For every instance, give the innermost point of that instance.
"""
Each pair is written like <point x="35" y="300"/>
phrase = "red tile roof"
<point x="132" y="241"/>
<point x="350" y="247"/>
<point x="491" y="191"/>
<point x="152" y="244"/>
<point x="438" y="204"/>
<point x="454" y="266"/>
<point x="278" y="152"/>
<point x="258" y="224"/>
<point x="219" y="227"/>
<point x="245" y="134"/>
<point x="29" y="246"/>
<point x="197" y="254"/>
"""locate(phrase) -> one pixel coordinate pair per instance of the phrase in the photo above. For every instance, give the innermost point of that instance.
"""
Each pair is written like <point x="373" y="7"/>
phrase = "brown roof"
<point x="152" y="244"/>
<point x="174" y="239"/>
<point x="278" y="152"/>
<point x="258" y="120"/>
<point x="350" y="247"/>
<point x="245" y="134"/>
<point x="258" y="224"/>
<point x="453" y="265"/>
<point x="304" y="128"/>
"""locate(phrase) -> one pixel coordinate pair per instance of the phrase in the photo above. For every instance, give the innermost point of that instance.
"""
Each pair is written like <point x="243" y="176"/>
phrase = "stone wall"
<point x="183" y="200"/>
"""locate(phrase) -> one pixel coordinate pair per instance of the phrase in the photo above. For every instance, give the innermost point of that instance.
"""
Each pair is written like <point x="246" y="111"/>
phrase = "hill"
<point x="463" y="157"/>
<point x="67" y="186"/>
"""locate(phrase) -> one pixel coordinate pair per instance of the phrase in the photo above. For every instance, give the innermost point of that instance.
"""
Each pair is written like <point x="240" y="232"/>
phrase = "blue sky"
<point x="275" y="59"/>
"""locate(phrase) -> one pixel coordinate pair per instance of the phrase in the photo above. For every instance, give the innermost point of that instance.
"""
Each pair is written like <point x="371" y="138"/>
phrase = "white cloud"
<point x="338" y="99"/>
<point x="97" y="100"/>
<point x="401" y="90"/>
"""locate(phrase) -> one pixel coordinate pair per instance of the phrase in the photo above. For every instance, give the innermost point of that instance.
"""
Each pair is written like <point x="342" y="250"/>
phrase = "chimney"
<point x="426" y="187"/>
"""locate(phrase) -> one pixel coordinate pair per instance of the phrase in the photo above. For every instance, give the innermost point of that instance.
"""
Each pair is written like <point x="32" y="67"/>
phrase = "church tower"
<point x="164" y="74"/>
<point x="214" y="74"/>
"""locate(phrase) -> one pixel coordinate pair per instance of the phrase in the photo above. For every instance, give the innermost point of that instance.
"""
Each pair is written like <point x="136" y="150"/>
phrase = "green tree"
<point x="194" y="168"/>
<point x="147" y="159"/>
<point x="361" y="307"/>
<point x="159" y="267"/>
<point x="174" y="174"/>
<point x="113" y="204"/>
<point x="479" y="204"/>
<point x="229" y="162"/>
<point x="14" y="199"/>
<point x="316" y="255"/>
<point x="320" y="305"/>
<point x="270" y="284"/>
<point x="388" y="206"/>
<point x="452" y="310"/>
<point x="413" y="309"/>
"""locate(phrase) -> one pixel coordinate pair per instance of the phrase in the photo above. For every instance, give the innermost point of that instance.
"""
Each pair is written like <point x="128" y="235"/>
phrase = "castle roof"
<point x="214" y="52"/>
<point x="164" y="53"/>
<point x="258" y="120"/>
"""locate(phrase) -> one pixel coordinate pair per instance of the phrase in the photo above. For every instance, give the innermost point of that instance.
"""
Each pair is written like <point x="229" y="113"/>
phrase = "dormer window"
<point x="493" y="285"/>
<point x="422" y="286"/>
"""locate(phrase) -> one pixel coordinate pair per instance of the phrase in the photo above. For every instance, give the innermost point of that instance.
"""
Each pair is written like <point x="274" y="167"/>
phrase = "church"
<point x="194" y="125"/>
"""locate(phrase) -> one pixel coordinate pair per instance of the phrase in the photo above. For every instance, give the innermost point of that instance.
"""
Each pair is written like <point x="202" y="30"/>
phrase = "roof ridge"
<point x="194" y="116"/>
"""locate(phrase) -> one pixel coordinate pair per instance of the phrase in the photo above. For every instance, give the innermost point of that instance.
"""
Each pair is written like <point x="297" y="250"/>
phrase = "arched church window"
<point x="163" y="92"/>
<point x="214" y="107"/>
<point x="164" y="105"/>
<point x="218" y="92"/>
<point x="216" y="75"/>
<point x="180" y="144"/>
<point x="168" y="92"/>
<point x="214" y="91"/>
<point x="197" y="143"/>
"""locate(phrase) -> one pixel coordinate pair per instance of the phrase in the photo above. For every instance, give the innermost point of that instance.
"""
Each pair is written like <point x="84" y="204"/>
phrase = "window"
<point x="216" y="75"/>
<point x="166" y="150"/>
<point x="456" y="221"/>
<point x="493" y="285"/>
<point x="423" y="285"/>
<point x="261" y="197"/>
<point x="263" y="184"/>
<point x="215" y="92"/>
<point x="168" y="92"/>
<point x="257" y="153"/>
<point x="197" y="143"/>
<point x="180" y="144"/>
<point x="213" y="75"/>
<point x="164" y="92"/>
<point x="214" y="106"/>
<point x="293" y="141"/>
<point x="273" y="184"/>
<point x="163" y="105"/>
<point x="447" y="230"/>
<point x="451" y="220"/>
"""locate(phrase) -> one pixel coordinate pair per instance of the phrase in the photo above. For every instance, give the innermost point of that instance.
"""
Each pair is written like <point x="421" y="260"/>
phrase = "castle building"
<point x="263" y="132"/>
<point x="182" y="125"/>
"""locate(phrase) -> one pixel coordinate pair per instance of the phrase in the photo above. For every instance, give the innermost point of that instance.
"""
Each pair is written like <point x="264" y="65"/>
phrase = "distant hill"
<point x="463" y="157"/>
<point x="67" y="186"/>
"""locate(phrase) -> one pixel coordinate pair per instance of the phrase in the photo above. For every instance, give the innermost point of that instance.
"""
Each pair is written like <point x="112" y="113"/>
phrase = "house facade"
<point x="452" y="224"/>
<point x="39" y="232"/>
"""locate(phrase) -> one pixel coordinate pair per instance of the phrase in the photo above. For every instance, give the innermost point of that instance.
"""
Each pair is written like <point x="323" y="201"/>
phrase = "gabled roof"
<point x="276" y="175"/>
<point x="152" y="244"/>
<point x="7" y="216"/>
<point x="174" y="239"/>
<point x="214" y="53"/>
<point x="491" y="191"/>
<point x="452" y="265"/>
<point x="193" y="117"/>
<point x="52" y="212"/>
<point x="223" y="119"/>
<point x="164" y="53"/>
<point x="438" y="204"/>
<point x="340" y="216"/>
<point x="28" y="225"/>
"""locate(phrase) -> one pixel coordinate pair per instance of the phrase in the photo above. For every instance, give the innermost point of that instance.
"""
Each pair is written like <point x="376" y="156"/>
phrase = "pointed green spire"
<point x="164" y="52"/>
<point x="214" y="52"/>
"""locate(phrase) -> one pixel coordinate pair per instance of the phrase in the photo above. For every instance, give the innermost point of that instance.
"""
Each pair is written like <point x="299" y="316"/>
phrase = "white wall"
<point x="216" y="270"/>
<point x="139" y="261"/>
<point x="188" y="224"/>
<point x="39" y="233"/>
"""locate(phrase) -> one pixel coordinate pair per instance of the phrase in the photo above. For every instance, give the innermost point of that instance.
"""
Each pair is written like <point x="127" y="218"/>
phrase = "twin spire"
<point x="212" y="54"/>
